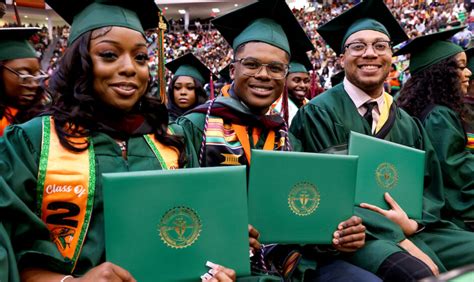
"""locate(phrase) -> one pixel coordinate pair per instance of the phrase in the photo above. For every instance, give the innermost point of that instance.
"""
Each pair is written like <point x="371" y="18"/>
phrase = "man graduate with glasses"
<point x="398" y="248"/>
<point x="222" y="132"/>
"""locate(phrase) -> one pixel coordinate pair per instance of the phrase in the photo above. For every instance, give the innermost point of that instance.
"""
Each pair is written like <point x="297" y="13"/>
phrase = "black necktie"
<point x="368" y="115"/>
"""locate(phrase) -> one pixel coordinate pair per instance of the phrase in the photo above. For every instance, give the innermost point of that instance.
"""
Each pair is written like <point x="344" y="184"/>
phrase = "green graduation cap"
<point x="268" y="21"/>
<point x="367" y="15"/>
<point x="87" y="15"/>
<point x="430" y="49"/>
<point x="189" y="65"/>
<point x="300" y="63"/>
<point x="14" y="43"/>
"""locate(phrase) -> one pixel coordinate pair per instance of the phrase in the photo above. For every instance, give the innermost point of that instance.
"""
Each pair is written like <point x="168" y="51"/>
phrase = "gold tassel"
<point x="162" y="27"/>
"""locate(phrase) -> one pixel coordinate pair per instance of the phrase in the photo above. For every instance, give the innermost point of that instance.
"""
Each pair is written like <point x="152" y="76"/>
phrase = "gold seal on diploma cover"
<point x="303" y="198"/>
<point x="180" y="227"/>
<point x="386" y="175"/>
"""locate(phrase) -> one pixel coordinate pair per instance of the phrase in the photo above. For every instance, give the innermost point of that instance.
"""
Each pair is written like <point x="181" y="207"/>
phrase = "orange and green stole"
<point x="7" y="118"/>
<point x="66" y="188"/>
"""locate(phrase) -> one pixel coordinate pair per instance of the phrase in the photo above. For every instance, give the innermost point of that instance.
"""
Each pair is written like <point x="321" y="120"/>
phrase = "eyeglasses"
<point x="358" y="49"/>
<point x="251" y="67"/>
<point x="27" y="79"/>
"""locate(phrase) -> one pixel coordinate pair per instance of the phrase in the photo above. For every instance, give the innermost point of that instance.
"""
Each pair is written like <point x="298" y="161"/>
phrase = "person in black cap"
<point x="434" y="94"/>
<point x="186" y="89"/>
<point x="263" y="35"/>
<point x="363" y="36"/>
<point x="102" y="121"/>
<point x="20" y="77"/>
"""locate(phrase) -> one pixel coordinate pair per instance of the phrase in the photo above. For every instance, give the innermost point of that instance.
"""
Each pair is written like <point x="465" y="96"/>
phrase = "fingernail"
<point x="336" y="242"/>
<point x="206" y="276"/>
<point x="212" y="271"/>
<point x="211" y="264"/>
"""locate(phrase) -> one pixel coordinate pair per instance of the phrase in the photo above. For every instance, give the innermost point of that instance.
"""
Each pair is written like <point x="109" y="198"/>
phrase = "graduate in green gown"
<point x="396" y="244"/>
<point x="468" y="100"/>
<point x="103" y="120"/>
<point x="20" y="77"/>
<point x="186" y="88"/>
<point x="223" y="131"/>
<point x="298" y="83"/>
<point x="434" y="93"/>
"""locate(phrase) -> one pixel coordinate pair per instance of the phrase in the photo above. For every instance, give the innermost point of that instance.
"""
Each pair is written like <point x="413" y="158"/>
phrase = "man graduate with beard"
<point x="398" y="248"/>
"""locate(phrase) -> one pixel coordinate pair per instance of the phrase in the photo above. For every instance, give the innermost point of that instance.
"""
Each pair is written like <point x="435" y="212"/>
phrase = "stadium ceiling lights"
<point x="216" y="10"/>
<point x="182" y="12"/>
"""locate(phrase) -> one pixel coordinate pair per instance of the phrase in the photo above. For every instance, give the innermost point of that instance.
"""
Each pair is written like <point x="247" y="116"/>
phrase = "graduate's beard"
<point x="372" y="88"/>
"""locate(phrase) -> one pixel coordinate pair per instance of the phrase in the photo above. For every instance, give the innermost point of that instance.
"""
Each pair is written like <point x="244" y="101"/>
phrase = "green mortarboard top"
<point x="14" y="43"/>
<point x="470" y="59"/>
<point x="189" y="65"/>
<point x="225" y="73"/>
<point x="367" y="15"/>
<point x="300" y="63"/>
<point x="87" y="15"/>
<point x="430" y="49"/>
<point x="268" y="21"/>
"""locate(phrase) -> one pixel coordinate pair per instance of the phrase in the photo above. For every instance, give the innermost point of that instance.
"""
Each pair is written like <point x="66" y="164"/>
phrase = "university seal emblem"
<point x="303" y="198"/>
<point x="386" y="175"/>
<point x="180" y="227"/>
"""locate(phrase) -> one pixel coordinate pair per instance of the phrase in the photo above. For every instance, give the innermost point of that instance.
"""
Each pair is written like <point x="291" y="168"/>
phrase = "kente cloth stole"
<point x="5" y="121"/>
<point x="470" y="142"/>
<point x="66" y="188"/>
<point x="384" y="111"/>
<point x="229" y="144"/>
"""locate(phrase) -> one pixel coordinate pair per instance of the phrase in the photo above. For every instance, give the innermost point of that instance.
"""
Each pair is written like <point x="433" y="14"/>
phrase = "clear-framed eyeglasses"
<point x="27" y="79"/>
<point x="359" y="48"/>
<point x="252" y="66"/>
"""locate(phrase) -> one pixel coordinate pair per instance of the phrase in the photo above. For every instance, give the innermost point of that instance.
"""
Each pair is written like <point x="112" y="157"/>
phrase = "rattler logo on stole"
<point x="386" y="175"/>
<point x="303" y="198"/>
<point x="180" y="227"/>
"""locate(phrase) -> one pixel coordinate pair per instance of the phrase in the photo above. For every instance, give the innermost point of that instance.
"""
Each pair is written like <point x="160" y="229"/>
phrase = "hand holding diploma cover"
<point x="300" y="197"/>
<point x="165" y="225"/>
<point x="386" y="167"/>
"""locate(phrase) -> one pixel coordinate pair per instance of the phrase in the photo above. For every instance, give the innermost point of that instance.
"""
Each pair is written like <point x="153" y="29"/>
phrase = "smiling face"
<point x="120" y="67"/>
<point x="259" y="91"/>
<point x="184" y="93"/>
<point x="369" y="71"/>
<point x="298" y="85"/>
<point x="463" y="72"/>
<point x="20" y="95"/>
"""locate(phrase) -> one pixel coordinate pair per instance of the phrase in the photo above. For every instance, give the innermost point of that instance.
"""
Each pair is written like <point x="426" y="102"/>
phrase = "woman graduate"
<point x="102" y="121"/>
<point x="186" y="89"/>
<point x="20" y="75"/>
<point x="434" y="94"/>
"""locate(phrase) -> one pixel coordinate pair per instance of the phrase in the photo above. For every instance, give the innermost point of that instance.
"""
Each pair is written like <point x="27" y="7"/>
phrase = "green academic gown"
<point x="19" y="157"/>
<point x="448" y="136"/>
<point x="326" y="121"/>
